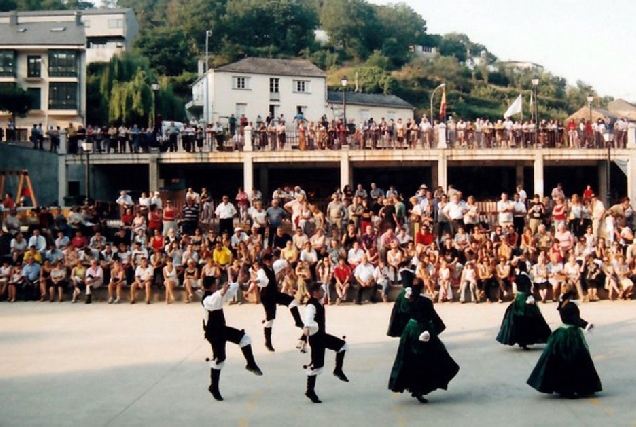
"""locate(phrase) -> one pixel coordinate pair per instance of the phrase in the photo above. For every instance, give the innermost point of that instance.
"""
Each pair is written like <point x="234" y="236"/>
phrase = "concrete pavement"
<point x="123" y="365"/>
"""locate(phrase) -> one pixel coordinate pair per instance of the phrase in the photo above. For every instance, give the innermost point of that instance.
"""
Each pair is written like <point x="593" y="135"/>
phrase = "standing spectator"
<point x="243" y="203"/>
<point x="124" y="201"/>
<point x="275" y="215"/>
<point x="190" y="217"/>
<point x="169" y="218"/>
<point x="505" y="208"/>
<point x="226" y="212"/>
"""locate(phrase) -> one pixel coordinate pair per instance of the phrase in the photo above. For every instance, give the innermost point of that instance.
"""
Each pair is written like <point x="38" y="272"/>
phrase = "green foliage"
<point x="14" y="100"/>
<point x="9" y="5"/>
<point x="121" y="92"/>
<point x="270" y="27"/>
<point x="167" y="49"/>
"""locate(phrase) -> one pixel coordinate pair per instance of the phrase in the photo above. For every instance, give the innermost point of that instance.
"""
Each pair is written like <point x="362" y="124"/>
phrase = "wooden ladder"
<point x="24" y="184"/>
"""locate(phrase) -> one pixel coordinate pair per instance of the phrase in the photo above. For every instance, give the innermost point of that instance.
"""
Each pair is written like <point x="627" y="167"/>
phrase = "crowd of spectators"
<point x="276" y="133"/>
<point x="362" y="240"/>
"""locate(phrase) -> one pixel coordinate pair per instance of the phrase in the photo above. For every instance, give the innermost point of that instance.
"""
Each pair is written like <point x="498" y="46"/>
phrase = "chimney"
<point x="78" y="18"/>
<point x="13" y="18"/>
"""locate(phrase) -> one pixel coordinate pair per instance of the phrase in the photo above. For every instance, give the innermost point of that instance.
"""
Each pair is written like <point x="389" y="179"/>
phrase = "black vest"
<point x="320" y="314"/>
<point x="216" y="320"/>
<point x="272" y="287"/>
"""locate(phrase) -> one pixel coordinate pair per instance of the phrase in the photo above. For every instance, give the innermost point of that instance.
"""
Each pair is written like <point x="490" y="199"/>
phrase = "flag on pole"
<point x="442" y="106"/>
<point x="515" y="107"/>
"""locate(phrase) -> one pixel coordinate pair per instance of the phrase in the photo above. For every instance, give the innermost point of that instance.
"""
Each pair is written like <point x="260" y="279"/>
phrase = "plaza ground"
<point x="123" y="365"/>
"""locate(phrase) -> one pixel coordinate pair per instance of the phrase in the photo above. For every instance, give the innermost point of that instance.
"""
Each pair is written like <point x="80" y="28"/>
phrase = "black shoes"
<point x="313" y="397"/>
<point x="253" y="368"/>
<point x="420" y="398"/>
<point x="215" y="393"/>
<point x="340" y="375"/>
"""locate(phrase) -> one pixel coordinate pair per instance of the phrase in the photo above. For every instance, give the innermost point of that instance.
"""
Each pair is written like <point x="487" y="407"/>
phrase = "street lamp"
<point x="343" y="82"/>
<point x="535" y="88"/>
<point x="208" y="34"/>
<point x="432" y="95"/>
<point x="155" y="89"/>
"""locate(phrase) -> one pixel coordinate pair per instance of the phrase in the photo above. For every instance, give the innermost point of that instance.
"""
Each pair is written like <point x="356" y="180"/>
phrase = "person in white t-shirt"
<point x="144" y="274"/>
<point x="505" y="208"/>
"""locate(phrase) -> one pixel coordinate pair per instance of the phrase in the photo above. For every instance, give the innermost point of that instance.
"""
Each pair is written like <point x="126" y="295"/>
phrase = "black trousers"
<point x="320" y="342"/>
<point x="220" y="338"/>
<point x="270" y="303"/>
<point x="226" y="225"/>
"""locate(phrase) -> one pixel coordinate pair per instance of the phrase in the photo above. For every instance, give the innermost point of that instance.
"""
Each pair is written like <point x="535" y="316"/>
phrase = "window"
<point x="241" y="82"/>
<point x="274" y="85"/>
<point x="34" y="66"/>
<point x="301" y="86"/>
<point x="7" y="63"/>
<point x="115" y="23"/>
<point x="63" y="96"/>
<point x="35" y="93"/>
<point x="62" y="63"/>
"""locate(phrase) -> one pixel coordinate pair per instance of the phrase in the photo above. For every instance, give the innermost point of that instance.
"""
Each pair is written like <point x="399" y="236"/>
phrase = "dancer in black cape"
<point x="422" y="363"/>
<point x="218" y="333"/>
<point x="523" y="323"/>
<point x="565" y="366"/>
<point x="400" y="312"/>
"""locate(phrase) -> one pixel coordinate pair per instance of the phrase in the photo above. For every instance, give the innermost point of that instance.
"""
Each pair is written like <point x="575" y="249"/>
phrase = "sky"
<point x="575" y="39"/>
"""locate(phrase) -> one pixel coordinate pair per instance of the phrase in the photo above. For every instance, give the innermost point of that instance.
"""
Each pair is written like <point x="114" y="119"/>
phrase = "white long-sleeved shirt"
<point x="216" y="300"/>
<point x="310" y="319"/>
<point x="261" y="278"/>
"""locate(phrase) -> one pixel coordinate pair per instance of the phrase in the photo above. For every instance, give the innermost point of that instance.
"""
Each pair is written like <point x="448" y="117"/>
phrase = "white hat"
<point x="238" y="229"/>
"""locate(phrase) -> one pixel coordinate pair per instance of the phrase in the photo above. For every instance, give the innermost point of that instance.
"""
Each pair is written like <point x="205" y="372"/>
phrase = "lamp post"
<point x="156" y="129"/>
<point x="432" y="95"/>
<point x="535" y="89"/>
<point x="343" y="82"/>
<point x="590" y="99"/>
<point x="87" y="147"/>
<point x="206" y="108"/>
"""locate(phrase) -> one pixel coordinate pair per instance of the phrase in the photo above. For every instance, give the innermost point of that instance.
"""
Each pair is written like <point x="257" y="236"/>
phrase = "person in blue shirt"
<point x="31" y="276"/>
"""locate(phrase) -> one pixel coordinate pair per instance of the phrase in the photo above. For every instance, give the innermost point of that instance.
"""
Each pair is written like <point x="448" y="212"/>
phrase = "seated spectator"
<point x="144" y="274"/>
<point x="57" y="281"/>
<point x="342" y="276"/>
<point x="117" y="280"/>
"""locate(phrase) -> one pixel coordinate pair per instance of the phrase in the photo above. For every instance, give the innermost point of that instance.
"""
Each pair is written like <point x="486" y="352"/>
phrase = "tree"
<point x="8" y="5"/>
<point x="401" y="27"/>
<point x="15" y="100"/>
<point x="352" y="25"/>
<point x="270" y="27"/>
<point x="168" y="50"/>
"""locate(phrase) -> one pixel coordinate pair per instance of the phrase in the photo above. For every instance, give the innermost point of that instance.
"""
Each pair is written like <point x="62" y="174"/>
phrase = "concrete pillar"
<point x="441" y="137"/>
<point x="63" y="148"/>
<point x="62" y="180"/>
<point x="519" y="175"/>
<point x="539" y="183"/>
<point x="345" y="169"/>
<point x="631" y="137"/>
<point x="434" y="174"/>
<point x="442" y="170"/>
<point x="153" y="173"/>
<point x="248" y="173"/>
<point x="602" y="181"/>
<point x="248" y="138"/>
<point x="631" y="177"/>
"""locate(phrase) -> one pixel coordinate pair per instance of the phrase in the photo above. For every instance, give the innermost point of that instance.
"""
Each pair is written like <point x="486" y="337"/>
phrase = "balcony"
<point x="274" y="96"/>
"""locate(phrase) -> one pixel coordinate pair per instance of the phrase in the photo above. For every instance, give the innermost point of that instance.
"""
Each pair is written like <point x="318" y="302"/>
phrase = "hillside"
<point x="378" y="43"/>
